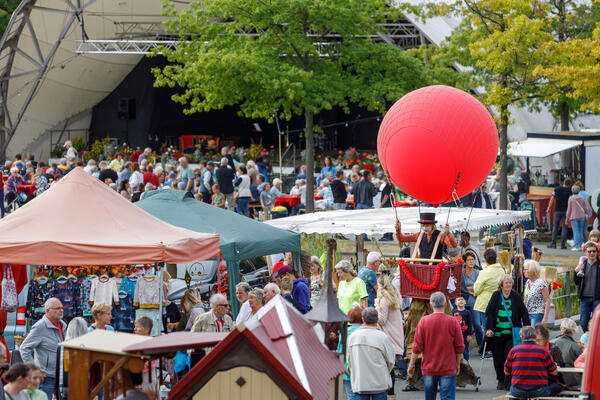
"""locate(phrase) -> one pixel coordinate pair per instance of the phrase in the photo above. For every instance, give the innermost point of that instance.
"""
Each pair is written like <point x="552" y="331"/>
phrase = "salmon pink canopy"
<point x="82" y="221"/>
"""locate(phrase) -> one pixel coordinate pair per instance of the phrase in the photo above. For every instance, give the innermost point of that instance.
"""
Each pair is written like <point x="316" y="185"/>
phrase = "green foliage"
<point x="79" y="144"/>
<point x="314" y="244"/>
<point x="307" y="56"/>
<point x="281" y="70"/>
<point x="6" y="9"/>
<point x="97" y="150"/>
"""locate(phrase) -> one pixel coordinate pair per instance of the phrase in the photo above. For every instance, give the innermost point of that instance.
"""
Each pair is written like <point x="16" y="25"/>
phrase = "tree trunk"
<point x="504" y="158"/>
<point x="564" y="116"/>
<point x="310" y="161"/>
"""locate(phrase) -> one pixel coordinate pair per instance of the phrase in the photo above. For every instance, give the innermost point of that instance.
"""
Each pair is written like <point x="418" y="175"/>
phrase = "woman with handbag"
<point x="578" y="212"/>
<point x="505" y="315"/>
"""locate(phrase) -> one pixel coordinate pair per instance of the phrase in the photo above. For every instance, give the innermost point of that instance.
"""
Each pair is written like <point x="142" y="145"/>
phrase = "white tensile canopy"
<point x="380" y="220"/>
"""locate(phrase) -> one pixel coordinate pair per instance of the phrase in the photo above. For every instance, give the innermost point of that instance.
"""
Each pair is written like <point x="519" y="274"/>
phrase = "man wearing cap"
<point x="71" y="154"/>
<point x="368" y="274"/>
<point x="430" y="244"/>
<point x="300" y="291"/>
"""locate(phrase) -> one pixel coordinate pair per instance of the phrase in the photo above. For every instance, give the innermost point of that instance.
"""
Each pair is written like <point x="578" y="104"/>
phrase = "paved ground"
<point x="487" y="390"/>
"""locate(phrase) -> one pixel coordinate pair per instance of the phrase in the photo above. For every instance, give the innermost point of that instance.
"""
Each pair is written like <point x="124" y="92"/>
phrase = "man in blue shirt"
<point x="186" y="175"/>
<point x="369" y="275"/>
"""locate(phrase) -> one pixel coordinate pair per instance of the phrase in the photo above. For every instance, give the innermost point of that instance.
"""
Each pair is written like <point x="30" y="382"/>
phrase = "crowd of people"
<point x="378" y="339"/>
<point x="225" y="183"/>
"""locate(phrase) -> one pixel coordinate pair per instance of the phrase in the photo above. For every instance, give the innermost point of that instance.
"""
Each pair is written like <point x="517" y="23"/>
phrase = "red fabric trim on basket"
<point x="409" y="275"/>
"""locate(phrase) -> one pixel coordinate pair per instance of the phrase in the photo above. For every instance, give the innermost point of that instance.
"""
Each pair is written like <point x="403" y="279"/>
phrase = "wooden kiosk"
<point x="106" y="349"/>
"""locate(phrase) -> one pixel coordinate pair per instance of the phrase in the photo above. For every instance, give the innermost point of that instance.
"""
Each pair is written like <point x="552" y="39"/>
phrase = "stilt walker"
<point x="430" y="244"/>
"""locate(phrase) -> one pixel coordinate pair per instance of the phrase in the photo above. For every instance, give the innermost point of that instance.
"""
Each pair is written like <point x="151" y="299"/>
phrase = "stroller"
<point x="13" y="203"/>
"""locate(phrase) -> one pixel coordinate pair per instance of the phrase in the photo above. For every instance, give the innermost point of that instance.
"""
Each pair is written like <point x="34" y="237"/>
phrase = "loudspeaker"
<point x="126" y="108"/>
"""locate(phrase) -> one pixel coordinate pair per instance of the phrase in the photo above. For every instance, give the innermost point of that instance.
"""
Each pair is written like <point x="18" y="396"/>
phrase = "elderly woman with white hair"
<point x="40" y="182"/>
<point x="255" y="299"/>
<point x="10" y="187"/>
<point x="569" y="349"/>
<point x="350" y="289"/>
<point x="325" y="192"/>
<point x="505" y="311"/>
<point x="537" y="295"/>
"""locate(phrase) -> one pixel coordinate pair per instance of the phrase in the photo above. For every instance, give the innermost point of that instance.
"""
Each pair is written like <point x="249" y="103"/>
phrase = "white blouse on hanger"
<point x="104" y="290"/>
<point x="147" y="292"/>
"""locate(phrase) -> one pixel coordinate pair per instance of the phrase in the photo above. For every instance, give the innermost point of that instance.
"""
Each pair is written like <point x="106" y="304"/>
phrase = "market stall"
<point x="82" y="222"/>
<point x="240" y="237"/>
<point x="553" y="156"/>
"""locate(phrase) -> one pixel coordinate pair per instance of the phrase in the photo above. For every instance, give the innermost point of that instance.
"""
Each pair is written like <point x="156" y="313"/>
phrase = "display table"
<point x="29" y="190"/>
<point x="287" y="201"/>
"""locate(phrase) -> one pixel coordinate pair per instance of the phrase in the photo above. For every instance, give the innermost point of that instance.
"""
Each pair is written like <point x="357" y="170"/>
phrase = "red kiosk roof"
<point x="176" y="341"/>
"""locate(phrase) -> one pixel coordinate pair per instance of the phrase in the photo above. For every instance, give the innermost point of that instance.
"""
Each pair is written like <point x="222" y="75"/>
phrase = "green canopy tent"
<point x="241" y="237"/>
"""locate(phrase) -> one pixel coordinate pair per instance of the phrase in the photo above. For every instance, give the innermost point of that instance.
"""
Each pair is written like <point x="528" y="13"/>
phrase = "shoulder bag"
<point x="10" y="297"/>
<point x="516" y="331"/>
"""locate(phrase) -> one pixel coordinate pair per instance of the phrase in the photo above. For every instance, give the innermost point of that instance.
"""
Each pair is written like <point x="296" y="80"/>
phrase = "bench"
<point x="544" y="398"/>
<point x="564" y="395"/>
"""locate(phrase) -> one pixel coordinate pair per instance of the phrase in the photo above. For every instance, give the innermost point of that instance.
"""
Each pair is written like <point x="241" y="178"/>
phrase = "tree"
<point x="504" y="40"/>
<point x="6" y="9"/>
<point x="286" y="57"/>
<point x="569" y="20"/>
<point x="575" y="60"/>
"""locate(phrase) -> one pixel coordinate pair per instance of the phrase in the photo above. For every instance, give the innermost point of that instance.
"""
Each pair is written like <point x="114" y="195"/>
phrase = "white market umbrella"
<point x="381" y="220"/>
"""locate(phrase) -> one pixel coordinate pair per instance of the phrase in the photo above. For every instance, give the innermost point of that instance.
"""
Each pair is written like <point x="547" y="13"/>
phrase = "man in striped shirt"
<point x="529" y="365"/>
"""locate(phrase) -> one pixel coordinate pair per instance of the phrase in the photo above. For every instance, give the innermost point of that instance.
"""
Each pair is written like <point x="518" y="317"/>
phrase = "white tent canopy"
<point x="381" y="220"/>
<point x="538" y="147"/>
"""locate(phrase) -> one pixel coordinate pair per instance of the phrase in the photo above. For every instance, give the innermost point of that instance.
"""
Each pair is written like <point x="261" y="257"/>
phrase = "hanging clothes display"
<point x="86" y="287"/>
<point x="131" y="296"/>
<point x="68" y="291"/>
<point x="104" y="290"/>
<point x="40" y="290"/>
<point x="124" y="317"/>
<point x="147" y="299"/>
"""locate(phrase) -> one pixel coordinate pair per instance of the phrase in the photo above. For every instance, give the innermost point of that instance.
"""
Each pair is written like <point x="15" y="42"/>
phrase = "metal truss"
<point x="122" y="46"/>
<point x="139" y="30"/>
<point x="145" y="37"/>
<point x="130" y="38"/>
<point x="40" y="62"/>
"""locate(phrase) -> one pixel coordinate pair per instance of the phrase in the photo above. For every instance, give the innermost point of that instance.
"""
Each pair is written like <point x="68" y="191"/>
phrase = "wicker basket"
<point x="425" y="274"/>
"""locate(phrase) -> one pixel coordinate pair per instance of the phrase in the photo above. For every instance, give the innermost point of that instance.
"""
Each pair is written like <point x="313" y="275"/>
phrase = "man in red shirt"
<point x="439" y="339"/>
<point x="41" y="343"/>
<point x="528" y="365"/>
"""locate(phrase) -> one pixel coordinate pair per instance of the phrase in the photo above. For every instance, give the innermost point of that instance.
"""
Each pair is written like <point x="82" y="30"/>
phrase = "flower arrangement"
<point x="97" y="150"/>
<point x="351" y="157"/>
<point x="124" y="149"/>
<point x="79" y="144"/>
<point x="222" y="277"/>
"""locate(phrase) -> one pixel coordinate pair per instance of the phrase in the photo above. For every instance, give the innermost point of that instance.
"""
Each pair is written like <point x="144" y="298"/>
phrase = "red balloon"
<point x="437" y="140"/>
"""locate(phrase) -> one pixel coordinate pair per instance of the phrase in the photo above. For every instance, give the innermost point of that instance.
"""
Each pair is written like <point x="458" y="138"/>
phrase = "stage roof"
<point x="44" y="80"/>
